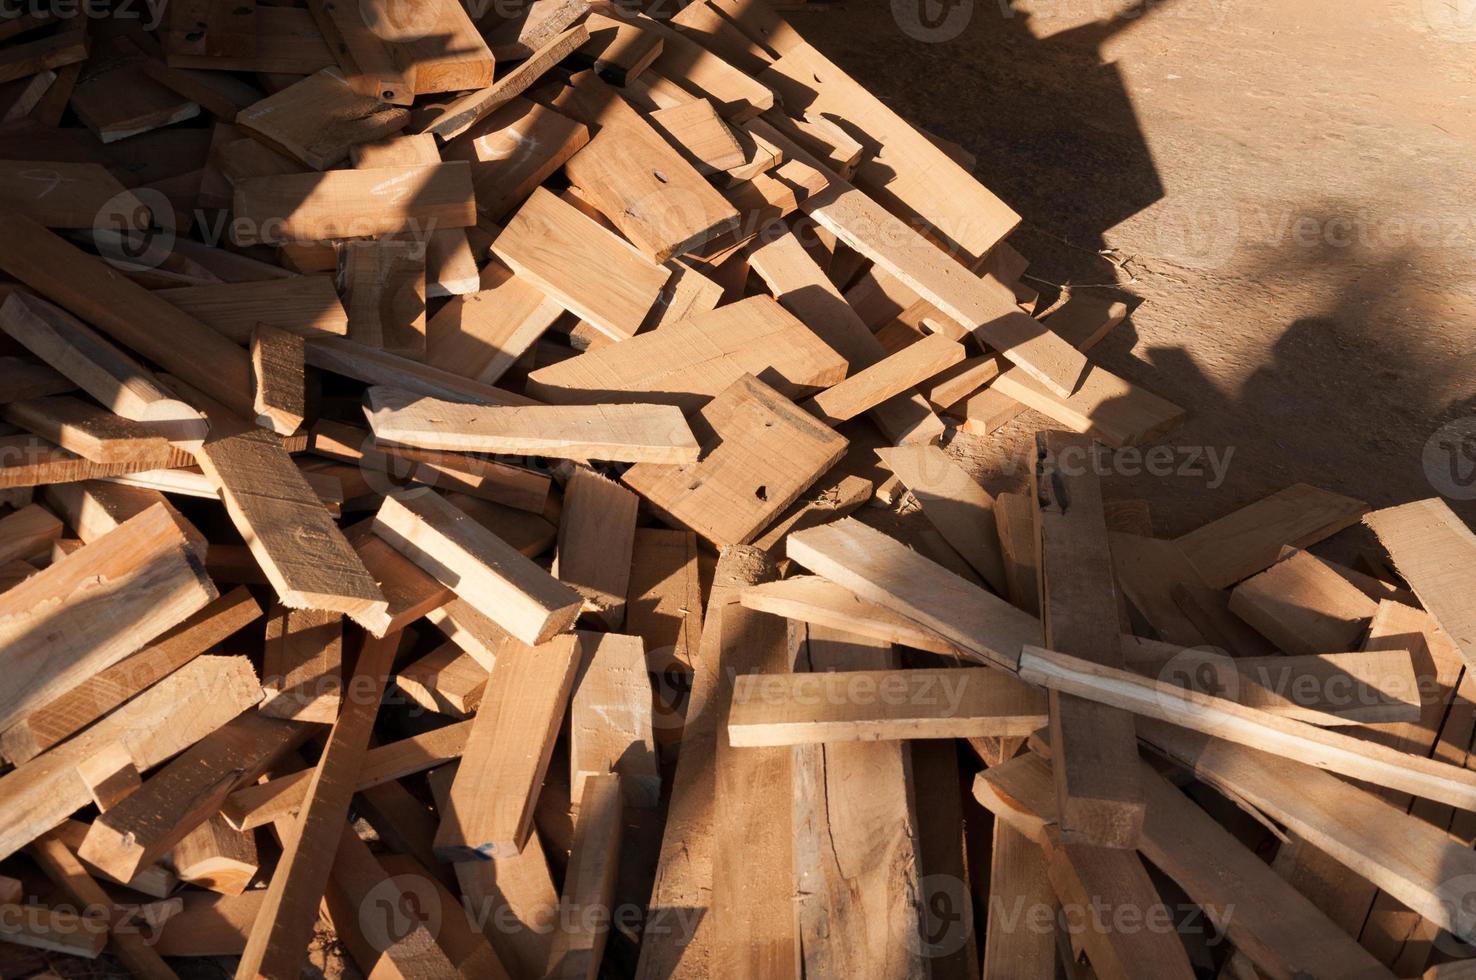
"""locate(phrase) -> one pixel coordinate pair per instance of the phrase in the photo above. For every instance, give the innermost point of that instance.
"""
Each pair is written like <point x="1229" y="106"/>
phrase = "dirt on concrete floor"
<point x="1288" y="188"/>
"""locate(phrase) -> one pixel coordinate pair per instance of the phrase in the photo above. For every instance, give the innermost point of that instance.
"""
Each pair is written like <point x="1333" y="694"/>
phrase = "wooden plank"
<point x="1258" y="729"/>
<point x="489" y="812"/>
<point x="343" y="356"/>
<point x="290" y="534"/>
<point x="1250" y="540"/>
<point x="306" y="305"/>
<point x="217" y="857"/>
<point x="908" y="174"/>
<point x="315" y="207"/>
<point x="53" y="51"/>
<point x="91" y="609"/>
<point x="687" y="363"/>
<point x="162" y="721"/>
<point x="206" y="924"/>
<point x="610" y="719"/>
<point x="815" y="600"/>
<point x="1148" y="572"/>
<point x="514" y="150"/>
<point x="302" y="665"/>
<point x="26" y="461"/>
<point x="882" y="705"/>
<point x="596" y="537"/>
<point x="278" y="361"/>
<point x="618" y="51"/>
<point x="97" y="695"/>
<point x="624" y="433"/>
<point x="97" y="367"/>
<point x="320" y="119"/>
<point x="287" y="42"/>
<point x="571" y="258"/>
<point x="22" y="379"/>
<point x="961" y="510"/>
<point x="884" y="571"/>
<point x="142" y="827"/>
<point x="255" y="806"/>
<point x="628" y="169"/>
<point x="279" y="938"/>
<point x="447" y="680"/>
<point x="91" y="432"/>
<point x="696" y="129"/>
<point x="56" y="930"/>
<point x="1303" y="607"/>
<point x="763" y="452"/>
<point x="888" y="377"/>
<point x="220" y="94"/>
<point x="455" y="119"/>
<point x="481" y="335"/>
<point x="1428" y="545"/>
<point x="28" y="532"/>
<point x="477" y="565"/>
<point x="664" y="598"/>
<point x="984" y="307"/>
<point x="69" y="195"/>
<point x="589" y="887"/>
<point x="1105" y="406"/>
<point x="1413" y="861"/>
<point x="383" y="288"/>
<point x="1020" y="937"/>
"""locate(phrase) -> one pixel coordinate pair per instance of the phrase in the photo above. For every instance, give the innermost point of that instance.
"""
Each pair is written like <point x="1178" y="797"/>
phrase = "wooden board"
<point x="886" y="378"/>
<point x="316" y="207"/>
<point x="447" y="680"/>
<point x="28" y="533"/>
<point x="293" y="538"/>
<point x="1107" y="407"/>
<point x="696" y="129"/>
<point x="590" y="882"/>
<point x="811" y="599"/>
<point x="302" y="665"/>
<point x="342" y="356"/>
<point x="624" y="433"/>
<point x="69" y="195"/>
<point x="514" y="150"/>
<point x="961" y="510"/>
<point x="383" y="288"/>
<point x="763" y="453"/>
<point x="483" y="334"/>
<point x="22" y="379"/>
<point x="1431" y="549"/>
<point x="884" y="571"/>
<point x="91" y="432"/>
<point x="455" y="119"/>
<point x="278" y="361"/>
<point x="386" y="55"/>
<point x="306" y="305"/>
<point x="610" y="719"/>
<point x="1303" y="607"/>
<point x="618" y="51"/>
<point x="596" y="537"/>
<point x="476" y="564"/>
<point x="489" y="813"/>
<point x="320" y="119"/>
<point x="1250" y="539"/>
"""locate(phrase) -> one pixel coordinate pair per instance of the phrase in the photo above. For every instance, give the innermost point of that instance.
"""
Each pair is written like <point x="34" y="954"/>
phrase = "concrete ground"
<point x="1286" y="185"/>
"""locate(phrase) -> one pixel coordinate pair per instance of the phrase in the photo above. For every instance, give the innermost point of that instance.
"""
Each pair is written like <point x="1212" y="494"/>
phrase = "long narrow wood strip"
<point x="891" y="376"/>
<point x="91" y="432"/>
<point x="961" y="510"/>
<point x="596" y="537"/>
<point x="279" y="938"/>
<point x="343" y="356"/>
<point x="1103" y="405"/>
<point x="302" y="665"/>
<point x="812" y="599"/>
<point x="316" y="207"/>
<point x="306" y="305"/>
<point x="278" y="361"/>
<point x="461" y="115"/>
<point x="1434" y="551"/>
<point x="589" y="887"/>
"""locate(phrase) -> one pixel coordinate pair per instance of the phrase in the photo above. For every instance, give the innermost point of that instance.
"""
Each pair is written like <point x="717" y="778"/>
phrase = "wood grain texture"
<point x="513" y="150"/>
<point x="961" y="510"/>
<point x="383" y="288"/>
<point x="1432" y="549"/>
<point x="610" y="718"/>
<point x="317" y="207"/>
<point x="318" y="120"/>
<point x="483" y="334"/>
<point x="596" y="536"/>
<point x="278" y="361"/>
<point x="306" y="305"/>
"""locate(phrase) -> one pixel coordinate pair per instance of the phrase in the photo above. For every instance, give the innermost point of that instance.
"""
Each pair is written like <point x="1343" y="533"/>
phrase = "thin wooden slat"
<point x="320" y="119"/>
<point x="278" y="361"/>
<point x="961" y="510"/>
<point x="455" y="119"/>
<point x="888" y="377"/>
<point x="618" y="51"/>
<point x="28" y="532"/>
<point x="343" y="356"/>
<point x="815" y="600"/>
<point x="306" y="305"/>
<point x="610" y="719"/>
<point x="596" y="536"/>
<point x="69" y="195"/>
<point x="1103" y="405"/>
<point x="24" y="379"/>
<point x="302" y="665"/>
<point x="1303" y="607"/>
<point x="589" y="887"/>
<point x="1432" y="549"/>
<point x="89" y="431"/>
<point x="514" y="150"/>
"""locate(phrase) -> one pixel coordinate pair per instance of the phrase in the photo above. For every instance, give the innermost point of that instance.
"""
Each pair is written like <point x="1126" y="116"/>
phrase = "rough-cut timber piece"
<point x="1303" y="607"/>
<point x="482" y="334"/>
<point x="96" y="606"/>
<point x="278" y="360"/>
<point x="217" y="857"/>
<point x="763" y="452"/>
<point x="477" y="565"/>
<point x="279" y="938"/>
<point x="91" y="289"/>
<point x="815" y="600"/>
<point x="162" y="721"/>
<point x="909" y="175"/>
<point x="447" y="680"/>
<point x="596" y="536"/>
<point x="94" y="697"/>
<point x="1258" y="729"/>
<point x="489" y="813"/>
<point x="392" y="55"/>
<point x="1105" y="406"/>
<point x="291" y="535"/>
<point x="884" y="571"/>
<point x="961" y="510"/>
<point x="1148" y="571"/>
<point x="632" y="175"/>
<point x="1433" y="551"/>
<point x="28" y="533"/>
<point x="878" y="705"/>
<point x="69" y="195"/>
<point x="1020" y="936"/>
<point x="383" y="287"/>
<point x="141" y="828"/>
<point x="617" y="50"/>
<point x="589" y="888"/>
<point x="320" y="119"/>
<point x="514" y="150"/>
<point x="342" y="356"/>
<point x="28" y="58"/>
<point x="306" y="305"/>
<point x="302" y="665"/>
<point x="1250" y="540"/>
<point x="622" y="433"/>
<point x="687" y="363"/>
<point x="589" y="269"/>
<point x="56" y="930"/>
<point x="91" y="432"/>
<point x="696" y="129"/>
<point x="315" y="207"/>
<point x="986" y="307"/>
<point x="451" y="121"/>
<point x="610" y="718"/>
<point x="664" y="599"/>
<point x="886" y="378"/>
<point x="22" y="379"/>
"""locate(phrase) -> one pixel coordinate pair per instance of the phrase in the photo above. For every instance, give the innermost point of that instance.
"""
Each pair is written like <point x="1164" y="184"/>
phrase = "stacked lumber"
<point x="434" y="534"/>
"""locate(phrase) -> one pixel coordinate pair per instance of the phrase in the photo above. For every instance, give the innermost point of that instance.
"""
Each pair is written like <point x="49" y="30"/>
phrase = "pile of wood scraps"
<point x="484" y="494"/>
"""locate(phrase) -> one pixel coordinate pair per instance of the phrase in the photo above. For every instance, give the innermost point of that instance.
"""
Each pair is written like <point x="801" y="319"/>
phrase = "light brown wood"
<point x="23" y="379"/>
<point x="514" y="150"/>
<point x="477" y="565"/>
<point x="589" y="887"/>
<point x="489" y="812"/>
<point x="664" y="598"/>
<point x="687" y="363"/>
<point x="302" y="665"/>
<point x="69" y="195"/>
<point x="384" y="57"/>
<point x="217" y="857"/>
<point x="483" y="334"/>
<point x="92" y="698"/>
<point x="1105" y="406"/>
<point x="89" y="431"/>
<point x="278" y="360"/>
<point x="462" y="114"/>
<point x="278" y="942"/>
<point x="1020" y="938"/>
<point x="1304" y="607"/>
<point x="320" y="119"/>
<point x="343" y="356"/>
<point x="618" y="51"/>
<point x="383" y="287"/>
<point x="1431" y="548"/>
<point x="316" y="207"/>
<point x="610" y="719"/>
<point x="818" y="601"/>
<point x="291" y="535"/>
<point x="28" y="532"/>
<point x="596" y="536"/>
<point x="696" y="129"/>
<point x="623" y="432"/>
<point x="306" y="305"/>
<point x="763" y="453"/>
<point x="447" y="680"/>
<point x="1250" y="539"/>
<point x="961" y="510"/>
